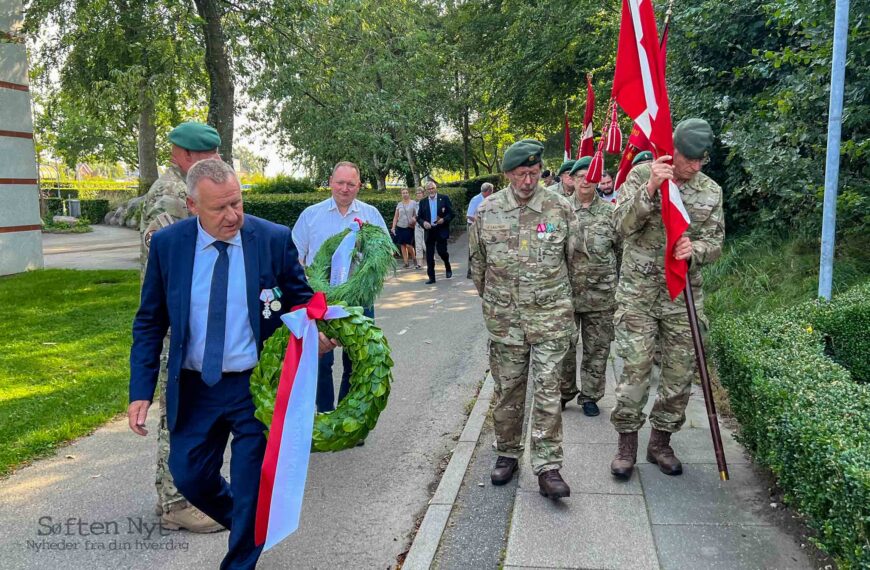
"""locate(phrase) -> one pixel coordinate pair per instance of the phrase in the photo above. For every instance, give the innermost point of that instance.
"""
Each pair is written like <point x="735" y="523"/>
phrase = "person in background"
<point x="404" y="221"/>
<point x="565" y="185"/>
<point x="605" y="188"/>
<point x="547" y="178"/>
<point x="419" y="236"/>
<point x="485" y="190"/>
<point x="435" y="213"/>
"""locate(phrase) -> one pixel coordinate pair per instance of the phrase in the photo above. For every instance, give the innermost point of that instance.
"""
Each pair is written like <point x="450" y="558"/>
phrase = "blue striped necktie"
<point x="215" y="332"/>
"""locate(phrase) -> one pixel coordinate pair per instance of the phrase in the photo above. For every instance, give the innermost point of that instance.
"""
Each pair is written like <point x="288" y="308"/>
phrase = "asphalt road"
<point x="360" y="504"/>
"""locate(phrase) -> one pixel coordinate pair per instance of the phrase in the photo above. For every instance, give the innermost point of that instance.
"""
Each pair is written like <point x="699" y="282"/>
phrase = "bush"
<point x="803" y="416"/>
<point x="472" y="185"/>
<point x="285" y="209"/>
<point x="283" y="184"/>
<point x="95" y="210"/>
<point x="53" y="206"/>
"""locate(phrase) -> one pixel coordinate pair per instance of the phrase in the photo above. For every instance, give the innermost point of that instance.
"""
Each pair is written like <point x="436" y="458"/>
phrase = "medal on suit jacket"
<point x="270" y="301"/>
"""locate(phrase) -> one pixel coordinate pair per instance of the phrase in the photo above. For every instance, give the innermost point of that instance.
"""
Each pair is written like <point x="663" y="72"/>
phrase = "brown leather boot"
<point x="552" y="486"/>
<point x="504" y="470"/>
<point x="660" y="453"/>
<point x="626" y="456"/>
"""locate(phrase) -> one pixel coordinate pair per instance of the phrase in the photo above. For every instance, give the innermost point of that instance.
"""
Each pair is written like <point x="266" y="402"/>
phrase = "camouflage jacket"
<point x="521" y="262"/>
<point x="164" y="204"/>
<point x="558" y="188"/>
<point x="639" y="223"/>
<point x="595" y="272"/>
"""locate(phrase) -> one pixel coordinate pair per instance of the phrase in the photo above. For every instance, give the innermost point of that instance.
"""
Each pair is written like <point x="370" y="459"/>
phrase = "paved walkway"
<point x="107" y="247"/>
<point x="652" y="521"/>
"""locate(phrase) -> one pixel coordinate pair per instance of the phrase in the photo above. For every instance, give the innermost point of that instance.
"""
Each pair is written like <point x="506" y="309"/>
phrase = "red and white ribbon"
<point x="285" y="465"/>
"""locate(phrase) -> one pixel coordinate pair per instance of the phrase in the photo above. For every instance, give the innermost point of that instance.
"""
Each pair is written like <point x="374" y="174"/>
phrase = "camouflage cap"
<point x="566" y="166"/>
<point x="195" y="136"/>
<point x="644" y="156"/>
<point x="693" y="138"/>
<point x="581" y="163"/>
<point x="526" y="152"/>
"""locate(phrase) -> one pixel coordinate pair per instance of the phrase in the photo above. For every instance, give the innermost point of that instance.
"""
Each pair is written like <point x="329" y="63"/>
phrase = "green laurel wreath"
<point x="370" y="380"/>
<point x="363" y="342"/>
<point x="373" y="253"/>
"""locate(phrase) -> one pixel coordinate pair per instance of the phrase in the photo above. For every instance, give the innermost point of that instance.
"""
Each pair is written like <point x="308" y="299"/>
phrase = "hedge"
<point x="95" y="210"/>
<point x="283" y="184"/>
<point x="53" y="206"/>
<point x="285" y="208"/>
<point x="803" y="415"/>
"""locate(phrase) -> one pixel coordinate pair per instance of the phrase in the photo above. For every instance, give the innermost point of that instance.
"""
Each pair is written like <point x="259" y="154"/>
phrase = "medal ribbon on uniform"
<point x="285" y="464"/>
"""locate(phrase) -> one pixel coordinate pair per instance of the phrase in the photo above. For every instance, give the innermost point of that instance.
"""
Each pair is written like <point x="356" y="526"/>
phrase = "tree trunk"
<point x="221" y="103"/>
<point x="412" y="165"/>
<point x="465" y="143"/>
<point x="382" y="181"/>
<point x="147" y="141"/>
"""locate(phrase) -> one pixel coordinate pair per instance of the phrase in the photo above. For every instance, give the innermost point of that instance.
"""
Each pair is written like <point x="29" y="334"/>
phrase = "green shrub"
<point x="285" y="208"/>
<point x="802" y="415"/>
<point x="53" y="206"/>
<point x="95" y="210"/>
<point x="283" y="184"/>
<point x="844" y="325"/>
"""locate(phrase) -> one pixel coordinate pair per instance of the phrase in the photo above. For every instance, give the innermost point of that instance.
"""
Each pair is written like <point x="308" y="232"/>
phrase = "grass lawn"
<point x="64" y="349"/>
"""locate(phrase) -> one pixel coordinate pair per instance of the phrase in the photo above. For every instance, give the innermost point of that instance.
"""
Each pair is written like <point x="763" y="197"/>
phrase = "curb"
<point x="428" y="536"/>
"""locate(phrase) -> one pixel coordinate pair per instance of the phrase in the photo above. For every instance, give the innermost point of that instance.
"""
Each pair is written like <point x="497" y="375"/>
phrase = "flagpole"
<point x="700" y="354"/>
<point x="706" y="387"/>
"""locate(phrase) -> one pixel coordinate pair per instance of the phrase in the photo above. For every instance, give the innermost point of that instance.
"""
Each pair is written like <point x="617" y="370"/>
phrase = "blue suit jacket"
<point x="271" y="260"/>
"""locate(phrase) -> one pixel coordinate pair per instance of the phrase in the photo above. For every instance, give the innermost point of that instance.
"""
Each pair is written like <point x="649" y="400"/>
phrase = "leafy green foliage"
<point x="64" y="376"/>
<point x="283" y="184"/>
<point x="370" y="380"/>
<point x="372" y="259"/>
<point x="94" y="210"/>
<point x="472" y="185"/>
<point x="803" y="416"/>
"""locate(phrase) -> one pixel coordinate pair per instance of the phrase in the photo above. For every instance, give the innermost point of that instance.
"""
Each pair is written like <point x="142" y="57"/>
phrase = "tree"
<point x="221" y="101"/>
<point x="127" y="70"/>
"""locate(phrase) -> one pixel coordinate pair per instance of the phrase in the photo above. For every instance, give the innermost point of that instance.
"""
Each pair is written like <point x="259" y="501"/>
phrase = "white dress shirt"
<point x="321" y="221"/>
<point x="473" y="206"/>
<point x="240" y="348"/>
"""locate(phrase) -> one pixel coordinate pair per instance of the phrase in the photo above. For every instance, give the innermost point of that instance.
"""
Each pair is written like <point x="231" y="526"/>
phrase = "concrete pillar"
<point x="20" y="226"/>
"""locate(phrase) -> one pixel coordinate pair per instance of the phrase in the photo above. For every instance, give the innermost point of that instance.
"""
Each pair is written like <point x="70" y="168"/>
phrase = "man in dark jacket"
<point x="435" y="213"/>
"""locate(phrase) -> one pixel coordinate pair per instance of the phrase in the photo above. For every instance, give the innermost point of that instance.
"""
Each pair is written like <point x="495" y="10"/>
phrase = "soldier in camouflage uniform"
<point x="565" y="185"/>
<point x="645" y="313"/>
<point x="522" y="247"/>
<point x="163" y="205"/>
<point x="595" y="287"/>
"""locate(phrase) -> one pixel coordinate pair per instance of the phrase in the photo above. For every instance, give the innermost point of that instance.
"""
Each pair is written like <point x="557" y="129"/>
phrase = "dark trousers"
<point x="325" y="398"/>
<point x="207" y="416"/>
<point x="435" y="243"/>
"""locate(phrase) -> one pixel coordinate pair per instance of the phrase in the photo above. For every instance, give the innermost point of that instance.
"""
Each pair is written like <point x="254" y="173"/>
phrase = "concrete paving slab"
<point x="107" y="247"/>
<point x="698" y="496"/>
<point x="586" y="469"/>
<point x="727" y="548"/>
<point x="583" y="531"/>
<point x="448" y="488"/>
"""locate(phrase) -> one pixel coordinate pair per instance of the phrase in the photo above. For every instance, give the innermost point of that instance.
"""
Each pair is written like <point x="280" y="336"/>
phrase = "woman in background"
<point x="404" y="222"/>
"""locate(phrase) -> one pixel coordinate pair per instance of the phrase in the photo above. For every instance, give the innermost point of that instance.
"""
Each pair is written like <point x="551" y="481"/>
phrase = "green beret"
<point x="581" y="164"/>
<point x="195" y="136"/>
<point x="693" y="138"/>
<point x="642" y="157"/>
<point x="566" y="166"/>
<point x="526" y="152"/>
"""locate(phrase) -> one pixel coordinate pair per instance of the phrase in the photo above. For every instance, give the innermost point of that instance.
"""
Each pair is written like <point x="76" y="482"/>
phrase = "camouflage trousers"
<point x="595" y="335"/>
<point x="512" y="366"/>
<point x="638" y="334"/>
<point x="167" y="495"/>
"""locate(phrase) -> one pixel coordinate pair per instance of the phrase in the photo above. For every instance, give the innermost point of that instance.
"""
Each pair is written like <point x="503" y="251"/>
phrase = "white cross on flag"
<point x="640" y="89"/>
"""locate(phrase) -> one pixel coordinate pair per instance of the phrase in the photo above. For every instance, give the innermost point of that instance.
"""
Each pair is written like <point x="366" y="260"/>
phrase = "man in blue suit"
<point x="436" y="212"/>
<point x="220" y="280"/>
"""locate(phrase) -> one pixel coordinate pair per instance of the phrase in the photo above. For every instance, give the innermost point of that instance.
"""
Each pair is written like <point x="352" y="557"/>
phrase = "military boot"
<point x="626" y="456"/>
<point x="191" y="519"/>
<point x="504" y="470"/>
<point x="660" y="453"/>
<point x="552" y="485"/>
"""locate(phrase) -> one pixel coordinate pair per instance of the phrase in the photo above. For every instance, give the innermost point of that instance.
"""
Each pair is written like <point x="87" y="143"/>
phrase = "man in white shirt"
<point x="485" y="190"/>
<point x="315" y="225"/>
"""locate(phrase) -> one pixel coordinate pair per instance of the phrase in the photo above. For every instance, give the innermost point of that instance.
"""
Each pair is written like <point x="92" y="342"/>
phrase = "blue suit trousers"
<point x="206" y="418"/>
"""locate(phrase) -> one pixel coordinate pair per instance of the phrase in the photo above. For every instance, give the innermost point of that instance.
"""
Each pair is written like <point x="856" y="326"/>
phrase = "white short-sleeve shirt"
<point x="321" y="221"/>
